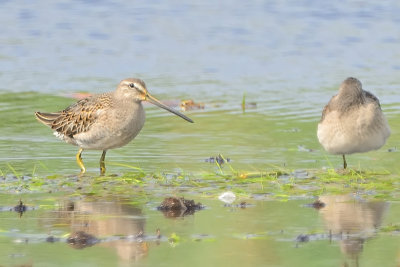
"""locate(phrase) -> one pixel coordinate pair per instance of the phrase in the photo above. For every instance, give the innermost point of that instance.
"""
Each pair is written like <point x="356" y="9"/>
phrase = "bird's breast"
<point x="113" y="129"/>
<point x="358" y="130"/>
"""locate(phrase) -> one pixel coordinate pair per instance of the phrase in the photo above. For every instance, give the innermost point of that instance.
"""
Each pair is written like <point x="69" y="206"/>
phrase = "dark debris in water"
<point x="302" y="238"/>
<point x="177" y="207"/>
<point x="52" y="239"/>
<point x="11" y="178"/>
<point x="342" y="237"/>
<point x="241" y="205"/>
<point x="201" y="237"/>
<point x="80" y="240"/>
<point x="317" y="204"/>
<point x="218" y="159"/>
<point x="20" y="208"/>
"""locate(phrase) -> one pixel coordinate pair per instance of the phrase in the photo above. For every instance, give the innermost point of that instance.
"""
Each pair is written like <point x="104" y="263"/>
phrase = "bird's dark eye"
<point x="132" y="85"/>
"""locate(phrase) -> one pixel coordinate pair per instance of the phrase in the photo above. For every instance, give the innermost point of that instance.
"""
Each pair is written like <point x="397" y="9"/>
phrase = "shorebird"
<point x="352" y="122"/>
<point x="104" y="121"/>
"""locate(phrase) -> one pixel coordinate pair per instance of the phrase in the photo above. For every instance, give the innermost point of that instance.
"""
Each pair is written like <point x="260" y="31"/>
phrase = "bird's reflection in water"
<point x="351" y="222"/>
<point x="108" y="224"/>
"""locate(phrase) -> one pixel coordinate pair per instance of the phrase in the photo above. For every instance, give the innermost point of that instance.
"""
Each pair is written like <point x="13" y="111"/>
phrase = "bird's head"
<point x="351" y="86"/>
<point x="136" y="89"/>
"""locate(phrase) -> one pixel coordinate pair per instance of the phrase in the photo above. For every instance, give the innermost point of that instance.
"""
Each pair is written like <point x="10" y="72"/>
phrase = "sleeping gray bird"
<point x="352" y="122"/>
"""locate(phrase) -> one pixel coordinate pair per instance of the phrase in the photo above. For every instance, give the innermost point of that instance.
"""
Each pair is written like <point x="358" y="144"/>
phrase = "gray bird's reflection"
<point x="351" y="222"/>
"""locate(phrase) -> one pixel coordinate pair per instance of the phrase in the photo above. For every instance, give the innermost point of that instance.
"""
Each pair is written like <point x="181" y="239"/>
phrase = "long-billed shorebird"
<point x="105" y="121"/>
<point x="352" y="122"/>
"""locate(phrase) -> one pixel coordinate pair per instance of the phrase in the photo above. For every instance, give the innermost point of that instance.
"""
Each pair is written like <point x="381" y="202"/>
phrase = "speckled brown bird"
<point x="352" y="122"/>
<point x="104" y="121"/>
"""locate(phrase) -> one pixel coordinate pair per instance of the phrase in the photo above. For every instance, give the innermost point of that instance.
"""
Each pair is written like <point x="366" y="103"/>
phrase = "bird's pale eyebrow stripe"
<point x="138" y="87"/>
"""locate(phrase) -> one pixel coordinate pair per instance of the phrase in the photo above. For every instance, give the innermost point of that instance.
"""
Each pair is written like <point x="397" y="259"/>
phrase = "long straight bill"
<point x="154" y="101"/>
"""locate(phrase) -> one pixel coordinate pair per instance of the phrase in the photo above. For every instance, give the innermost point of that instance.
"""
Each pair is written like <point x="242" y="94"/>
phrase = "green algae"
<point x="278" y="184"/>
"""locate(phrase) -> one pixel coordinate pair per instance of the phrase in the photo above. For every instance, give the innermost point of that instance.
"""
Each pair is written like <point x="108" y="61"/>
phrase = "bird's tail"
<point x="46" y="118"/>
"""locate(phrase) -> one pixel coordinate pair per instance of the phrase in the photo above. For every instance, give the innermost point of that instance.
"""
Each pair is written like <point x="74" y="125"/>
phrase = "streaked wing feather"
<point x="78" y="117"/>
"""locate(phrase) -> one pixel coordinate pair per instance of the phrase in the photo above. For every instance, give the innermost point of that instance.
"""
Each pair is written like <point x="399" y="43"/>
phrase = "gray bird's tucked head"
<point x="350" y="94"/>
<point x="351" y="86"/>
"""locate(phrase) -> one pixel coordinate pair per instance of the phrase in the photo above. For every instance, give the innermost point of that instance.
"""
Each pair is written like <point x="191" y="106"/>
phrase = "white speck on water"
<point x="227" y="197"/>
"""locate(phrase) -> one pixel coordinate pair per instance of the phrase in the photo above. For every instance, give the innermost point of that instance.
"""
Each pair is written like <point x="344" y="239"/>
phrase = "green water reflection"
<point x="345" y="231"/>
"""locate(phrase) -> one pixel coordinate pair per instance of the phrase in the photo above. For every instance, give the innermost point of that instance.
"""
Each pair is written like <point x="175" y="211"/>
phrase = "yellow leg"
<point x="79" y="161"/>
<point x="344" y="162"/>
<point x="102" y="164"/>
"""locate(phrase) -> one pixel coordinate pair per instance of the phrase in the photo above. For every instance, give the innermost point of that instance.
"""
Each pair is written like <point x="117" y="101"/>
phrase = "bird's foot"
<point x="102" y="170"/>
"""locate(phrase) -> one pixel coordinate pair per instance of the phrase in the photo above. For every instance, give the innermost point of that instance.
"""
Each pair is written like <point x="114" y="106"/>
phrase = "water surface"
<point x="345" y="231"/>
<point x="288" y="57"/>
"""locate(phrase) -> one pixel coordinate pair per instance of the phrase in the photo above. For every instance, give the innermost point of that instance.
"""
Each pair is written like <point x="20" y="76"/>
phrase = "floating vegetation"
<point x="190" y="105"/>
<point x="391" y="228"/>
<point x="277" y="183"/>
<point x="247" y="105"/>
<point x="174" y="239"/>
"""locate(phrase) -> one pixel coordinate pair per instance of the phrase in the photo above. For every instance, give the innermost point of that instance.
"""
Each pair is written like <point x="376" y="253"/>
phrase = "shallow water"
<point x="288" y="57"/>
<point x="262" y="234"/>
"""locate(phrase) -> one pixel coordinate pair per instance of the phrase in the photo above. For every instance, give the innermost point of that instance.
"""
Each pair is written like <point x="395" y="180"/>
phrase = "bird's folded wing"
<point x="79" y="117"/>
